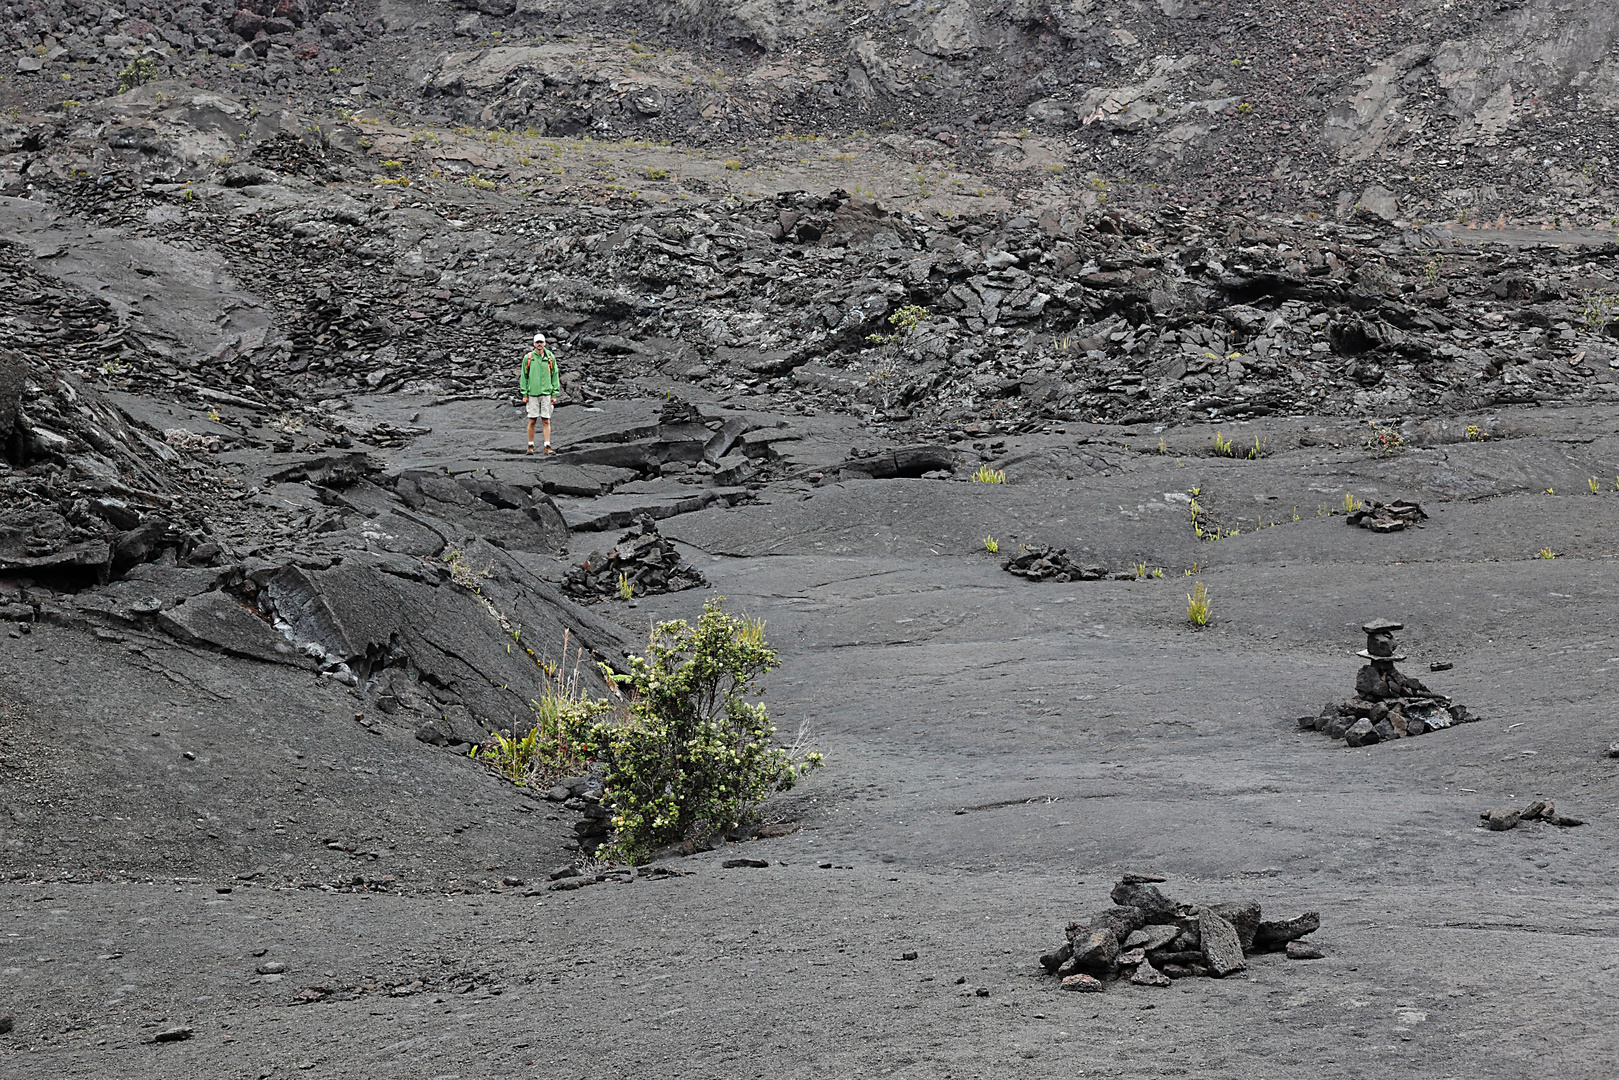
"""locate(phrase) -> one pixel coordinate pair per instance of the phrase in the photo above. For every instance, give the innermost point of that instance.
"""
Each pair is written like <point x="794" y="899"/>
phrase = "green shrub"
<point x="138" y="72"/>
<point x="689" y="754"/>
<point x="1385" y="439"/>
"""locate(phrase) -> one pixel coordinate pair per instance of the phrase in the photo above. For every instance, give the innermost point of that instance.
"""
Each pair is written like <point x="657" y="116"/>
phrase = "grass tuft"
<point x="1197" y="605"/>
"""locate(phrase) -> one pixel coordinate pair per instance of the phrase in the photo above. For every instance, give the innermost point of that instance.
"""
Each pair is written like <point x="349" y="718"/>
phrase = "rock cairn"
<point x="647" y="562"/>
<point x="1152" y="939"/>
<point x="1387" y="517"/>
<point x="1387" y="704"/>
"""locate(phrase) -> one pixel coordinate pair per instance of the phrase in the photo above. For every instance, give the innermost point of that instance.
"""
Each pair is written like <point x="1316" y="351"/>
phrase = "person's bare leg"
<point x="531" y="432"/>
<point x="545" y="428"/>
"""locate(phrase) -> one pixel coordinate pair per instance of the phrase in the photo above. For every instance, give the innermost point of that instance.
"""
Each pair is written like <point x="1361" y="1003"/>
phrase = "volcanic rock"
<point x="642" y="559"/>
<point x="1386" y="517"/>
<point x="1272" y="935"/>
<point x="1222" y="949"/>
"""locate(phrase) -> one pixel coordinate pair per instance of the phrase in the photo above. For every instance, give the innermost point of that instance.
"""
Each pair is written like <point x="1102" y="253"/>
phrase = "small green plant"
<point x="908" y="317"/>
<point x="1600" y="309"/>
<point x="1351" y="504"/>
<point x="1227" y="448"/>
<point x="1545" y="553"/>
<point x="1158" y="573"/>
<point x="1295" y="513"/>
<point x="1163" y="446"/>
<point x="393" y="165"/>
<point x="625" y="589"/>
<point x="690" y="754"/>
<point x="733" y="165"/>
<point x="511" y="755"/>
<point x="1430" y="270"/>
<point x="1384" y="439"/>
<point x="140" y="71"/>
<point x="1245" y="108"/>
<point x="1549" y="491"/>
<point x="903" y="320"/>
<point x="479" y="182"/>
<point x="1195" y="569"/>
<point x="990" y="545"/>
<point x="1593" y="483"/>
<point x="1474" y="433"/>
<point x="656" y="174"/>
<point x="461" y="571"/>
<point x="987" y="475"/>
<point x="1141" y="570"/>
<point x="1197" y="605"/>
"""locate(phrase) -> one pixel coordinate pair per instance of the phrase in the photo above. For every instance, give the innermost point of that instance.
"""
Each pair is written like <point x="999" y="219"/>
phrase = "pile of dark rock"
<point x="1053" y="564"/>
<point x="1387" y="517"/>
<point x="643" y="558"/>
<point x="1502" y="818"/>
<point x="1387" y="704"/>
<point x="584" y="795"/>
<point x="1152" y="939"/>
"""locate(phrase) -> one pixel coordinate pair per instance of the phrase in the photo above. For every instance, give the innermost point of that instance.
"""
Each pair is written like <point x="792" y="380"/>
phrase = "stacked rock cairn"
<point x="1387" y="704"/>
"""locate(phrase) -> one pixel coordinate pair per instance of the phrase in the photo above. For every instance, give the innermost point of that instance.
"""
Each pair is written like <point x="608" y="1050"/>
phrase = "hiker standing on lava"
<point x="539" y="385"/>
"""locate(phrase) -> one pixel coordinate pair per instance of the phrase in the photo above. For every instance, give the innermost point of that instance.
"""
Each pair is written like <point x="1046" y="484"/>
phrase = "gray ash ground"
<point x="1204" y="283"/>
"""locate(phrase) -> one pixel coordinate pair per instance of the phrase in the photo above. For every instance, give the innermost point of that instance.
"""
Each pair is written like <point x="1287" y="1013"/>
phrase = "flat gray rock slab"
<point x="220" y="620"/>
<point x="620" y="511"/>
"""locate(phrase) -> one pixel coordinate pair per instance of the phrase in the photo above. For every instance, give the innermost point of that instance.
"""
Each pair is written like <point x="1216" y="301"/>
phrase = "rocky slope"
<point x="1467" y="109"/>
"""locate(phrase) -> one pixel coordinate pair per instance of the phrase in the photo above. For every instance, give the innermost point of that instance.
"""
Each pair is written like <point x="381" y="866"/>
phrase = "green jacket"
<point x="539" y="377"/>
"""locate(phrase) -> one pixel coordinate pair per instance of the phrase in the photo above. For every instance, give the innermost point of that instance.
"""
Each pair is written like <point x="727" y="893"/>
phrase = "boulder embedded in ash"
<point x="646" y="561"/>
<point x="1051" y="564"/>
<point x="1387" y="705"/>
<point x="1387" y="517"/>
<point x="1183" y="940"/>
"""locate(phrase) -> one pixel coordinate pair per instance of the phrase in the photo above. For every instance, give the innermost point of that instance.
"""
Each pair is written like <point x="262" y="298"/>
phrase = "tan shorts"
<point x="539" y="406"/>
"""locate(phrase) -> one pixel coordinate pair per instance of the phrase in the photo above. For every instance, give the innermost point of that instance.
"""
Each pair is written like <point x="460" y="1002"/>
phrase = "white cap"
<point x="539" y="339"/>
